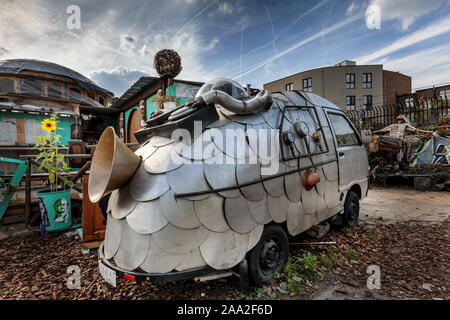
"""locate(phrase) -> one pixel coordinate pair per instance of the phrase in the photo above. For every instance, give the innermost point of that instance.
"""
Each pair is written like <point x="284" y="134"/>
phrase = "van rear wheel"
<point x="269" y="255"/>
<point x="351" y="210"/>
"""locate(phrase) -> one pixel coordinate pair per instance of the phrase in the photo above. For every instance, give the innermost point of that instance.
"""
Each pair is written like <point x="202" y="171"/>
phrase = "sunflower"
<point x="48" y="125"/>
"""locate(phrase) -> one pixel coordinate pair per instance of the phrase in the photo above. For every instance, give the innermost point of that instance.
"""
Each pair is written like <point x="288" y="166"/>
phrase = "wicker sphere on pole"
<point x="167" y="62"/>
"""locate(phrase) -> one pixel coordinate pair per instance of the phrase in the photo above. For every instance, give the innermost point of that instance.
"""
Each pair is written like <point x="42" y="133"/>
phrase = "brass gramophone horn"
<point x="113" y="165"/>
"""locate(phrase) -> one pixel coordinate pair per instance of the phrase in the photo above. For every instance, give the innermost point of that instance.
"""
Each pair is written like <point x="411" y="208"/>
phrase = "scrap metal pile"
<point x="404" y="150"/>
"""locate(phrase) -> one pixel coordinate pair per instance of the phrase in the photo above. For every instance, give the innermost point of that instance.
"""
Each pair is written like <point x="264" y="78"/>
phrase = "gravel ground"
<point x="413" y="258"/>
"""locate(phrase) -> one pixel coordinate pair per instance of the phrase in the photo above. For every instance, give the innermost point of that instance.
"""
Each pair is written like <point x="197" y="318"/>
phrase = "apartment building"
<point x="348" y="85"/>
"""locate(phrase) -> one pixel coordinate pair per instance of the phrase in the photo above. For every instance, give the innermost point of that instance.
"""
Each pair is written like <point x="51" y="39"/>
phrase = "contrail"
<point x="195" y="17"/>
<point x="269" y="17"/>
<point x="242" y="38"/>
<point x="277" y="35"/>
<point x="328" y="30"/>
<point x="117" y="52"/>
<point x="438" y="28"/>
<point x="317" y="6"/>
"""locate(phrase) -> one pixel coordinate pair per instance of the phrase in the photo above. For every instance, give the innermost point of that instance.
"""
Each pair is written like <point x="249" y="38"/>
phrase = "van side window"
<point x="345" y="135"/>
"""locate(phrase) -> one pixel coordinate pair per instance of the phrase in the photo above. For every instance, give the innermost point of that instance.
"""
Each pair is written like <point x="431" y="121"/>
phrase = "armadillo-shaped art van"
<point x="223" y="180"/>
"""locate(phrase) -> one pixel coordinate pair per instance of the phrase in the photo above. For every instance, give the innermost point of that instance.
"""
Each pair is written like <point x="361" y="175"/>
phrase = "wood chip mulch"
<point x="413" y="258"/>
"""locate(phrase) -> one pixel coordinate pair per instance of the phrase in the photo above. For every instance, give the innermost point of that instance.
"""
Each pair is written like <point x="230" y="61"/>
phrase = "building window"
<point x="409" y="102"/>
<point x="101" y="101"/>
<point x="445" y="94"/>
<point x="54" y="90"/>
<point x="350" y="102"/>
<point x="6" y="85"/>
<point x="91" y="95"/>
<point x="32" y="86"/>
<point x="74" y="94"/>
<point x="350" y="81"/>
<point x="289" y="87"/>
<point x="307" y="85"/>
<point x="367" y="102"/>
<point x="367" y="80"/>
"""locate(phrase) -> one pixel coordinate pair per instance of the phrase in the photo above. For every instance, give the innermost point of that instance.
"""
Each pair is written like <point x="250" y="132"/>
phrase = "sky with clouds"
<point x="251" y="41"/>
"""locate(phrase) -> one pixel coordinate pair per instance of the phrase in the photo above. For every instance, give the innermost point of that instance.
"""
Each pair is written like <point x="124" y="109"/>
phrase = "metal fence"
<point x="421" y="113"/>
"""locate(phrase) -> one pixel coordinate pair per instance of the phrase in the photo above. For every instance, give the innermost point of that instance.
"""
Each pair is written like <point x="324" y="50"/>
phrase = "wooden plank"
<point x="20" y="131"/>
<point x="92" y="244"/>
<point x="28" y="194"/>
<point x="92" y="217"/>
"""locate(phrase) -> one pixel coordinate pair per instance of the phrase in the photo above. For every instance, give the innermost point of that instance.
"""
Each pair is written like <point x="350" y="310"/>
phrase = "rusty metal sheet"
<point x="210" y="213"/>
<point x="147" y="217"/>
<point x="330" y="170"/>
<point x="278" y="207"/>
<point x="188" y="178"/>
<point x="199" y="149"/>
<point x="271" y="117"/>
<point x="320" y="186"/>
<point x="133" y="248"/>
<point x="295" y="218"/>
<point x="180" y="212"/>
<point x="293" y="186"/>
<point x="146" y="186"/>
<point x="223" y="120"/>
<point x="238" y="216"/>
<point x="160" y="261"/>
<point x="231" y="141"/>
<point x="179" y="241"/>
<point x="224" y="250"/>
<point x="219" y="174"/>
<point x="263" y="141"/>
<point x="145" y="151"/>
<point x="254" y="236"/>
<point x="323" y="213"/>
<point x="247" y="173"/>
<point x="112" y="236"/>
<point x="275" y="186"/>
<point x="259" y="211"/>
<point x="112" y="200"/>
<point x="332" y="194"/>
<point x="191" y="260"/>
<point x="122" y="204"/>
<point x="309" y="200"/>
<point x="158" y="141"/>
<point x="164" y="159"/>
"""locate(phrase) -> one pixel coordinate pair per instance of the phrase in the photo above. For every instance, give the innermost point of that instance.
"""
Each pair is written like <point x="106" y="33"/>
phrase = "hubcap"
<point x="270" y="255"/>
<point x="353" y="210"/>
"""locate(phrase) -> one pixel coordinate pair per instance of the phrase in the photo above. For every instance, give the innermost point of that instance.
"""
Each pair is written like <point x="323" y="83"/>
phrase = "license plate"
<point x="108" y="274"/>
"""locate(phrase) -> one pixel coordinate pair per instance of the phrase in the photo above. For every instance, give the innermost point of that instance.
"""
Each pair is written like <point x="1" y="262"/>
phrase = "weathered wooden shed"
<point x="30" y="90"/>
<point x="146" y="96"/>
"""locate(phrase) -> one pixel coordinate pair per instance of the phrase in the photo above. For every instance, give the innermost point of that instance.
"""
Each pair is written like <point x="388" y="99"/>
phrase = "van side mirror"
<point x="366" y="136"/>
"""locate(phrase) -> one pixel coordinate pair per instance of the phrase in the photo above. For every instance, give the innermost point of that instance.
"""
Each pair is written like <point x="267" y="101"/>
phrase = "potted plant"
<point x="54" y="203"/>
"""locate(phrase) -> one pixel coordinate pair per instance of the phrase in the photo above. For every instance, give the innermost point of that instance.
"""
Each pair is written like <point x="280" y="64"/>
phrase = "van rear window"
<point x="345" y="135"/>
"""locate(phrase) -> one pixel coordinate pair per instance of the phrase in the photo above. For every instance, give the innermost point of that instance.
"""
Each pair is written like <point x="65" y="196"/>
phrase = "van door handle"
<point x="341" y="154"/>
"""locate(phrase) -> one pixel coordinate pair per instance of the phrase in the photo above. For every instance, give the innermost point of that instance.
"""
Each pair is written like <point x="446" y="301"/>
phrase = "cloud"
<point x="117" y="80"/>
<point x="299" y="44"/>
<point x="4" y="51"/>
<point x="440" y="27"/>
<point x="353" y="7"/>
<point x="406" y="11"/>
<point x="127" y="43"/>
<point x="225" y="8"/>
<point x="115" y="46"/>
<point x="427" y="67"/>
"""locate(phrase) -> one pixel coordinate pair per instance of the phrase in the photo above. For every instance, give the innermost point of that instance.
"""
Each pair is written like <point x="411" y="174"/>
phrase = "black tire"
<point x="351" y="210"/>
<point x="269" y="255"/>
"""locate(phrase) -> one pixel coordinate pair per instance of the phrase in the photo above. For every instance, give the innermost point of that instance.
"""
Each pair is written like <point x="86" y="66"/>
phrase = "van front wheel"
<point x="351" y="210"/>
<point x="269" y="255"/>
